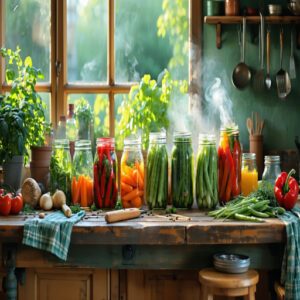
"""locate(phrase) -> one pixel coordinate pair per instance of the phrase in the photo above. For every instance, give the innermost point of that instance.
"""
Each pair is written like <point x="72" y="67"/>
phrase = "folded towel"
<point x="53" y="233"/>
<point x="290" y="270"/>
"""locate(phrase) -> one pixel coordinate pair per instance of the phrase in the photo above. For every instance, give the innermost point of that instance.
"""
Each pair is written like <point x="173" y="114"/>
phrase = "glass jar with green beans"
<point x="182" y="168"/>
<point x="157" y="171"/>
<point x="61" y="168"/>
<point x="206" y="173"/>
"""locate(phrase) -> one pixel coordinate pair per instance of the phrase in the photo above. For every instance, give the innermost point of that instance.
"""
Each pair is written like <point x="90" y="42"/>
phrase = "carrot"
<point x="90" y="190"/>
<point x="127" y="170"/>
<point x="133" y="194"/>
<point x="83" y="194"/>
<point x="76" y="197"/>
<point x="126" y="187"/>
<point x="140" y="181"/>
<point x="140" y="168"/>
<point x="74" y="188"/>
<point x="136" y="202"/>
<point x="128" y="179"/>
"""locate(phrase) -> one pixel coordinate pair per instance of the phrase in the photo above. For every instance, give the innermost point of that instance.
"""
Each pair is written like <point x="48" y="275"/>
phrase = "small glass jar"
<point x="105" y="174"/>
<point x="82" y="180"/>
<point x="207" y="173"/>
<point x="182" y="169"/>
<point x="272" y="168"/>
<point x="132" y="173"/>
<point x="229" y="164"/>
<point x="249" y="174"/>
<point x="157" y="171"/>
<point x="232" y="7"/>
<point x="61" y="168"/>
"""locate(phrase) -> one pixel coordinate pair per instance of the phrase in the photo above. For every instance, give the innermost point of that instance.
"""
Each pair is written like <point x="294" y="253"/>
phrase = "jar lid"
<point x="83" y="144"/>
<point x="182" y="136"/>
<point x="132" y="140"/>
<point x="61" y="143"/>
<point x="207" y="138"/>
<point x="158" y="137"/>
<point x="272" y="159"/>
<point x="249" y="156"/>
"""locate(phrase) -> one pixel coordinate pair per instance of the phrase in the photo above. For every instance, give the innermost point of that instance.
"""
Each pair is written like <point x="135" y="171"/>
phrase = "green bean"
<point x="247" y="218"/>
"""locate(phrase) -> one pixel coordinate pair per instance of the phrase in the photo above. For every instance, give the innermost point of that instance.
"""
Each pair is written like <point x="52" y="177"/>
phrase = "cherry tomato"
<point x="5" y="204"/>
<point x="16" y="204"/>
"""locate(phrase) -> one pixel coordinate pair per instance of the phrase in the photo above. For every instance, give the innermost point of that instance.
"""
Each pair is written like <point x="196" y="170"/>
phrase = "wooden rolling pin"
<point x="122" y="214"/>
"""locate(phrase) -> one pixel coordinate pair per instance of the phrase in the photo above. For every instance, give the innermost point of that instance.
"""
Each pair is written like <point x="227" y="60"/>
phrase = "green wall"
<point x="281" y="116"/>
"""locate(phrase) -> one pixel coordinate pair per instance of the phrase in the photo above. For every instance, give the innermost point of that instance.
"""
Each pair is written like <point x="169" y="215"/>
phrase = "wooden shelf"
<point x="252" y="19"/>
<point x="225" y="20"/>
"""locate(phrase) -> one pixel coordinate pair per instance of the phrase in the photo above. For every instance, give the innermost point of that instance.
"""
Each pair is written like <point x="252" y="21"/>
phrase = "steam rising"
<point x="218" y="101"/>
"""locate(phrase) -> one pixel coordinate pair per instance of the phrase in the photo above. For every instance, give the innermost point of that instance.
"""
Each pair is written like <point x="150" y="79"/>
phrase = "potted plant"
<point x="12" y="143"/>
<point x="23" y="76"/>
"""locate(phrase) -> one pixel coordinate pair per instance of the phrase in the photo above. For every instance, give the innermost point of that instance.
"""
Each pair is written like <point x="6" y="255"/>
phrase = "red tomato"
<point x="16" y="204"/>
<point x="5" y="205"/>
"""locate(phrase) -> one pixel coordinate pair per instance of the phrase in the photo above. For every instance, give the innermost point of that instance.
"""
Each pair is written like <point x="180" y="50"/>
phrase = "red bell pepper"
<point x="286" y="190"/>
<point x="96" y="188"/>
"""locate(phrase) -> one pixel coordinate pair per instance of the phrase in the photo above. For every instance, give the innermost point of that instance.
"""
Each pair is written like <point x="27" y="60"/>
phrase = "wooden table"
<point x="149" y="242"/>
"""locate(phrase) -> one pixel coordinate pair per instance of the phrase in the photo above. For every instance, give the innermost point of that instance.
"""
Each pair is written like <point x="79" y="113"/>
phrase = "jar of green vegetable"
<point x="182" y="160"/>
<point x="157" y="171"/>
<point x="61" y="168"/>
<point x="206" y="172"/>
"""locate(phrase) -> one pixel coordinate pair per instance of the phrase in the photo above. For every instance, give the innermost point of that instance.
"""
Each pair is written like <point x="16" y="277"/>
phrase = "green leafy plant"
<point x="13" y="132"/>
<point x="23" y="76"/>
<point x="146" y="107"/>
<point x="84" y="117"/>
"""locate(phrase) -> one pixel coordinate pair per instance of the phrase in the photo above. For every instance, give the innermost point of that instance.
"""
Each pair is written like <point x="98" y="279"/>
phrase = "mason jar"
<point x="272" y="168"/>
<point x="249" y="174"/>
<point x="82" y="179"/>
<point x="229" y="164"/>
<point x="132" y="173"/>
<point x="207" y="173"/>
<point x="105" y="173"/>
<point x="182" y="170"/>
<point x="61" y="168"/>
<point x="157" y="171"/>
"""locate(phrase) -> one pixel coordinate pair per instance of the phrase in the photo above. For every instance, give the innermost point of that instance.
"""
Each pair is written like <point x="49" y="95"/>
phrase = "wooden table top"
<point x="158" y="230"/>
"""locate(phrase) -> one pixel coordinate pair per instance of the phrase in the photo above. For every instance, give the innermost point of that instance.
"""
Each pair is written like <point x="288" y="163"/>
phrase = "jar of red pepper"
<point x="105" y="174"/>
<point x="132" y="173"/>
<point x="229" y="164"/>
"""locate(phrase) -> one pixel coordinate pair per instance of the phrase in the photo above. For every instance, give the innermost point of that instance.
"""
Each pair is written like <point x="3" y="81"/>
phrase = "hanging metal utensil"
<point x="259" y="78"/>
<point x="241" y="75"/>
<point x="268" y="81"/>
<point x="292" y="58"/>
<point x="282" y="78"/>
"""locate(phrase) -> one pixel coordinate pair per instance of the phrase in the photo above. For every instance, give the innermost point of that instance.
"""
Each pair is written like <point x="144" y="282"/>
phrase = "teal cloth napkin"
<point x="290" y="270"/>
<point x="53" y="233"/>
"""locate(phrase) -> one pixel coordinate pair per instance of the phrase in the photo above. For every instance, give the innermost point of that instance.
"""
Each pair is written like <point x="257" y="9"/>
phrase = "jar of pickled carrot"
<point x="249" y="174"/>
<point x="105" y="173"/>
<point x="132" y="173"/>
<point x="229" y="164"/>
<point x="82" y="174"/>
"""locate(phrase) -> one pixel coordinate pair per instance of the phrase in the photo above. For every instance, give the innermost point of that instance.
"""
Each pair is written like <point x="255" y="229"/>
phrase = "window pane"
<point x="87" y="40"/>
<point x="118" y="101"/>
<point x="27" y="24"/>
<point x="150" y="38"/>
<point x="100" y="107"/>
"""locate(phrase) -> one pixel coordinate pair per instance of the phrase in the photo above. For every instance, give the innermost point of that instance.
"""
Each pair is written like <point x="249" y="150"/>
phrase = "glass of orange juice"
<point x="249" y="180"/>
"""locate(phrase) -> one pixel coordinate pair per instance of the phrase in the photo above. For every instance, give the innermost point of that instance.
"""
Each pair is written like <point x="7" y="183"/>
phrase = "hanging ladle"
<point x="241" y="75"/>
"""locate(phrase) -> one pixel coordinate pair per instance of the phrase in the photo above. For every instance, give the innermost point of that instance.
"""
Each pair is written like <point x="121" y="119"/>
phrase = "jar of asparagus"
<point x="61" y="168"/>
<point x="132" y="173"/>
<point x="229" y="164"/>
<point x="105" y="173"/>
<point x="157" y="171"/>
<point x="207" y="173"/>
<point x="182" y="168"/>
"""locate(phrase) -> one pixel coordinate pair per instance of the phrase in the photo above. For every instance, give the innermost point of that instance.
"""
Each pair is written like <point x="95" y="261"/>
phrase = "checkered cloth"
<point x="290" y="270"/>
<point x="53" y="233"/>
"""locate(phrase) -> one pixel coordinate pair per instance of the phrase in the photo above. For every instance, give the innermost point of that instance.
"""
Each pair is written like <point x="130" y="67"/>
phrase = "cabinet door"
<point x="162" y="284"/>
<point x="58" y="284"/>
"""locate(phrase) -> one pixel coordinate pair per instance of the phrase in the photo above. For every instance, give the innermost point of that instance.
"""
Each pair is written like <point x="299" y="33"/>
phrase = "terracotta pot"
<point x="40" y="174"/>
<point x="12" y="171"/>
<point x="41" y="153"/>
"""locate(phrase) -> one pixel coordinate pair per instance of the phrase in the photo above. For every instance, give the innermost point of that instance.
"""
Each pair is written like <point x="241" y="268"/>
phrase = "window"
<point x="99" y="49"/>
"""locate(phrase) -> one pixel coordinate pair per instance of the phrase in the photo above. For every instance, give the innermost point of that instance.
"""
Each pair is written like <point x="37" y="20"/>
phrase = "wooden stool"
<point x="279" y="290"/>
<point x="224" y="284"/>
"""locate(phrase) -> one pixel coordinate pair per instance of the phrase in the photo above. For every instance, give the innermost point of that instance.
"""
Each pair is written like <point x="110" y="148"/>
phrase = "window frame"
<point x="60" y="88"/>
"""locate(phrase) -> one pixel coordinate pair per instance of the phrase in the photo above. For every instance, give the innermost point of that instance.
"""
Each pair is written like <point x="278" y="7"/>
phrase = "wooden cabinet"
<point x="64" y="284"/>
